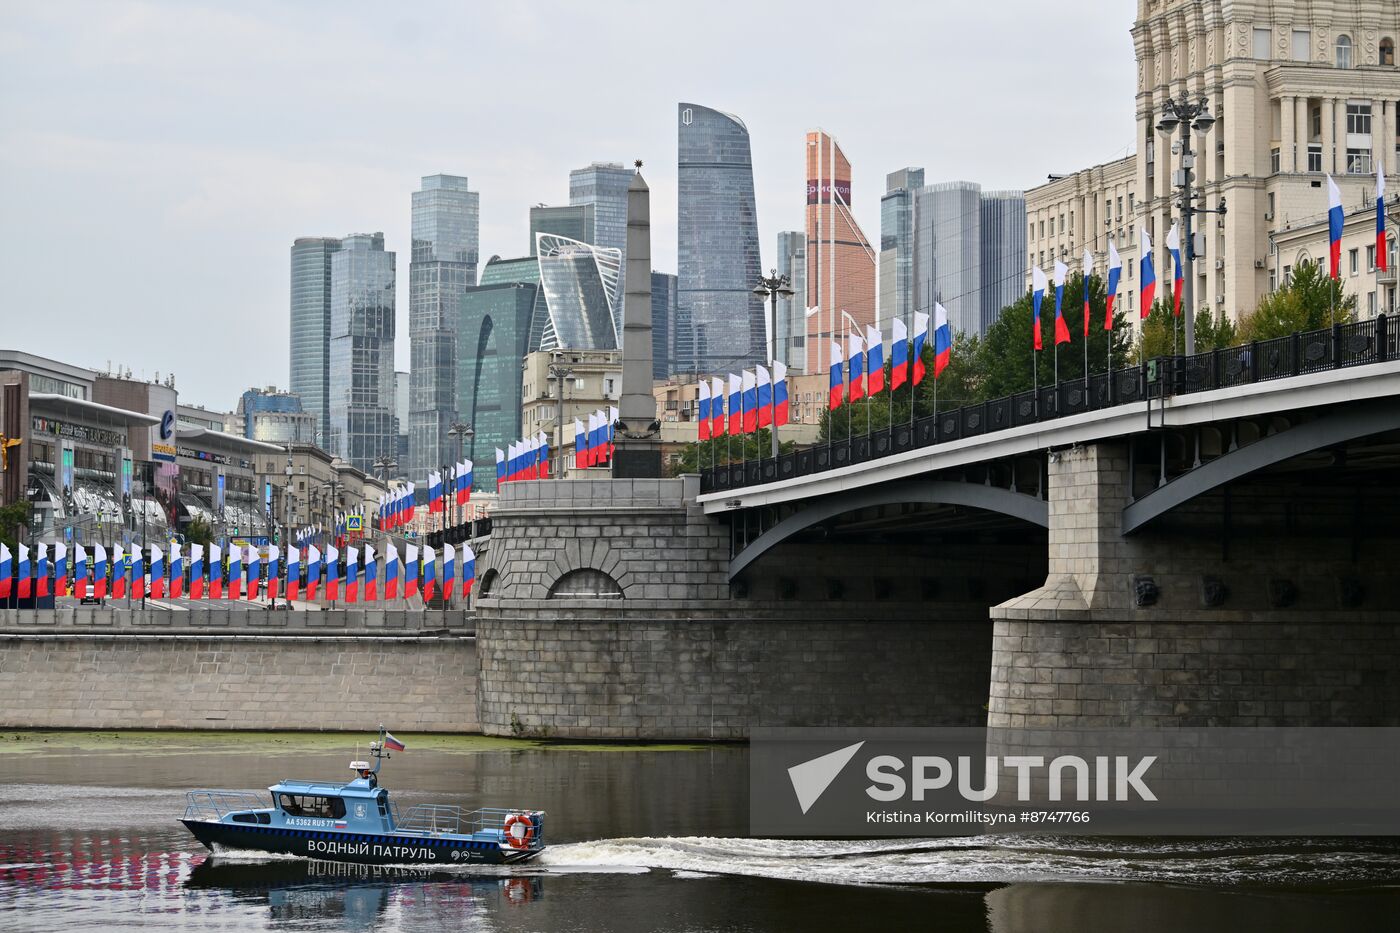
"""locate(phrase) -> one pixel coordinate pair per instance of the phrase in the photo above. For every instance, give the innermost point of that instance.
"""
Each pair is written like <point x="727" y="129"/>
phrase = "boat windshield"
<point x="312" y="805"/>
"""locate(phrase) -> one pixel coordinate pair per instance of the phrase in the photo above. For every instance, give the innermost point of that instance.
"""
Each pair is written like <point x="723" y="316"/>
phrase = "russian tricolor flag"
<point x="196" y="571"/>
<point x="920" y="338"/>
<point x="42" y="572"/>
<point x="371" y="586"/>
<point x="60" y="569"/>
<point x="1115" y="272"/>
<point x="855" y="366"/>
<point x="780" y="394"/>
<point x="1149" y="272"/>
<point x="1038" y="285"/>
<point x="449" y="570"/>
<point x="118" y="571"/>
<point x="429" y="573"/>
<point x="736" y="408"/>
<point x="1088" y="274"/>
<point x="6" y="571"/>
<point x="24" y="571"/>
<point x="434" y="492"/>
<point x="500" y="466"/>
<point x="216" y="572"/>
<point x="254" y="564"/>
<point x="273" y="553"/>
<point x="235" y="573"/>
<point x="1336" y="218"/>
<point x="352" y="575"/>
<point x="899" y="354"/>
<point x="1061" y="329"/>
<point x="874" y="360"/>
<point x="80" y="572"/>
<point x="332" y="565"/>
<point x="410" y="570"/>
<point x="580" y="445"/>
<point x="1174" y="247"/>
<point x="750" y="403"/>
<point x="702" y="414"/>
<point x="468" y="568"/>
<point x="177" y="571"/>
<point x="838" y="383"/>
<point x="293" y="572"/>
<point x="717" y="407"/>
<point x="465" y="477"/>
<point x="157" y="572"/>
<point x="764" y="386"/>
<point x="391" y="571"/>
<point x="942" y="339"/>
<point x="99" y="571"/>
<point x="135" y="574"/>
<point x="1382" y="259"/>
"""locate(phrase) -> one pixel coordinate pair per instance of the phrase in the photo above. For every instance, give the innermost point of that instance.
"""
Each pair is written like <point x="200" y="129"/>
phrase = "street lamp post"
<point x="1188" y="115"/>
<point x="772" y="287"/>
<point x="286" y="522"/>
<point x="460" y="430"/>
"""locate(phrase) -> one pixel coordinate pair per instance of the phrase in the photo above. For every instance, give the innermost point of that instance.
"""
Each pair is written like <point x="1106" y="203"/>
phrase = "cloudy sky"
<point x="158" y="158"/>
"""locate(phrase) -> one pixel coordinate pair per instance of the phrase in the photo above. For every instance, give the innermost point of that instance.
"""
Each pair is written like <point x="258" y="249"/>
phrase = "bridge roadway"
<point x="1256" y="400"/>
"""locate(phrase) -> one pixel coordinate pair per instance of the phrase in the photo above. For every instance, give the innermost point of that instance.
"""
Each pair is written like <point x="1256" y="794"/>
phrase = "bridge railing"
<point x="1343" y="345"/>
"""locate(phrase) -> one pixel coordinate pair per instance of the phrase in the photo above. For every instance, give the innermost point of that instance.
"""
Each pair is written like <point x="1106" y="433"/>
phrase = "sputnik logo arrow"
<point x="811" y="778"/>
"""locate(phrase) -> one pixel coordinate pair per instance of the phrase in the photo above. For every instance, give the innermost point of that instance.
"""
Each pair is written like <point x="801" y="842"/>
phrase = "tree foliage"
<point x="14" y="518"/>
<point x="1311" y="300"/>
<point x="199" y="532"/>
<point x="718" y="451"/>
<point x="1164" y="334"/>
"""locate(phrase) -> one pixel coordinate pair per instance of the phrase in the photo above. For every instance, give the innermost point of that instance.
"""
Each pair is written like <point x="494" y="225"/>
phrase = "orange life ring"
<point x="521" y="841"/>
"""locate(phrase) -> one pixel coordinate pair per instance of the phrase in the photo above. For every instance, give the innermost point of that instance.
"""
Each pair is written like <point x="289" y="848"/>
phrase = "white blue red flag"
<point x="1061" y="329"/>
<point x="780" y="394"/>
<point x="1148" y="276"/>
<point x="1174" y="247"/>
<point x="855" y="366"/>
<point x="764" y="387"/>
<point x="874" y="360"/>
<point x="392" y="743"/>
<point x="1038" y="285"/>
<point x="942" y="339"/>
<point x="1382" y="257"/>
<point x="702" y="414"/>
<point x="899" y="354"/>
<point x="1115" y="272"/>
<point x="1336" y="218"/>
<point x="920" y="338"/>
<point x="838" y="382"/>
<point x="716" y="407"/>
<point x="1088" y="274"/>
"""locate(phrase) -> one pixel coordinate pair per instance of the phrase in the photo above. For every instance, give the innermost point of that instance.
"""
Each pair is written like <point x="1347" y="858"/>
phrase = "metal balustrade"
<point x="1342" y="345"/>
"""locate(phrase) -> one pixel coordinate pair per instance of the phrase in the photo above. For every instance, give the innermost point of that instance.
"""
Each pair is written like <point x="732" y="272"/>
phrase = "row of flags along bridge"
<point x="194" y="571"/>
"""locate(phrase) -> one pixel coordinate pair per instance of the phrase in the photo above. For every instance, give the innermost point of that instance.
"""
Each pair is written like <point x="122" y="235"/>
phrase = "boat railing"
<point x="214" y="804"/>
<point x="429" y="819"/>
<point x="435" y="819"/>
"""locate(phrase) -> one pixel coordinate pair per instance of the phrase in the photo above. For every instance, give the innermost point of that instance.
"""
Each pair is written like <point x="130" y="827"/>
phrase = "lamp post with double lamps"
<point x="1188" y="115"/>
<point x="772" y="287"/>
<point x="462" y="430"/>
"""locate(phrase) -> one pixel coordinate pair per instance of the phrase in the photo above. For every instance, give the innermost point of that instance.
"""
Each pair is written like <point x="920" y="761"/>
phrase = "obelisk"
<point x="638" y="433"/>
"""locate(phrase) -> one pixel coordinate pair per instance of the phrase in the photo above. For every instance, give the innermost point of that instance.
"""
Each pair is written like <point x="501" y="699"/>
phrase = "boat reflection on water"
<point x="358" y="895"/>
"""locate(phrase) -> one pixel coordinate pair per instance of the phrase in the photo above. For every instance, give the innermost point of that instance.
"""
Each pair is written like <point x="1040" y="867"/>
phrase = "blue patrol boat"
<point x="357" y="822"/>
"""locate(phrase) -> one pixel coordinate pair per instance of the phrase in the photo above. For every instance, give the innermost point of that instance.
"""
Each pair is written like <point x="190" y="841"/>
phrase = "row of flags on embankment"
<point x="358" y="574"/>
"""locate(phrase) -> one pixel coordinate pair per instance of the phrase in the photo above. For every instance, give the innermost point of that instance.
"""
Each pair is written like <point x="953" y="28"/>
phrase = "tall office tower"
<point x="362" y="351"/>
<point x="402" y="383"/>
<point x="897" y="298"/>
<point x="1003" y="252"/>
<point x="602" y="186"/>
<point x="663" y="316"/>
<point x="446" y="221"/>
<point x="311" y="327"/>
<point x="494" y="333"/>
<point x="948" y="262"/>
<point x="575" y="221"/>
<point x="792" y="320"/>
<point x="719" y="326"/>
<point x="840" y="260"/>
<point x="525" y="270"/>
<point x="582" y="290"/>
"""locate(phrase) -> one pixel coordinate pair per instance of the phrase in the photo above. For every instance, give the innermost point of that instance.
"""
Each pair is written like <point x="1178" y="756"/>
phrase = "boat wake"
<point x="993" y="860"/>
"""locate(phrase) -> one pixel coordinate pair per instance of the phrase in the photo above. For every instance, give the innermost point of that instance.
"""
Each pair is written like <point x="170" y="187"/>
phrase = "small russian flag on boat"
<point x="392" y="743"/>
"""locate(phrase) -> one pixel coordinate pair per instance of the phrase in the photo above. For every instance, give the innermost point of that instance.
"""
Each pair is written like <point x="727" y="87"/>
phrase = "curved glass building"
<point x="581" y="288"/>
<point x="719" y="320"/>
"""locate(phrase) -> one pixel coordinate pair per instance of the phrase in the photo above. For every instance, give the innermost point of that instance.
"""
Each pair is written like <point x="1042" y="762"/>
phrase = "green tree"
<point x="1311" y="300"/>
<point x="14" y="518"/>
<point x="721" y="450"/>
<point x="199" y="532"/>
<point x="1163" y="333"/>
<point x="1005" y="353"/>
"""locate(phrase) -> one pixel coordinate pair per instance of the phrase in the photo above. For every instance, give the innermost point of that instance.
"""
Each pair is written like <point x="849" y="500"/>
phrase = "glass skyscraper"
<point x="311" y="327"/>
<point x="574" y="221"/>
<point x="719" y="320"/>
<point x="446" y="223"/>
<point x="1003" y="252"/>
<point x="362" y="423"/>
<point x="602" y="187"/>
<point x="493" y="329"/>
<point x="582" y="292"/>
<point x="840" y="260"/>
<point x="792" y="320"/>
<point x="663" y="316"/>
<point x="897" y="298"/>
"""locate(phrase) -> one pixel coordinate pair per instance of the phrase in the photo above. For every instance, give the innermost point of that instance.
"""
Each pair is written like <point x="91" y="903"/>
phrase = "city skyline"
<point x="209" y="204"/>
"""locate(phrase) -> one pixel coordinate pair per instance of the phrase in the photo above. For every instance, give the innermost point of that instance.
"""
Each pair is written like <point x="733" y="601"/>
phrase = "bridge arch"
<point x="1343" y="425"/>
<point x="1020" y="505"/>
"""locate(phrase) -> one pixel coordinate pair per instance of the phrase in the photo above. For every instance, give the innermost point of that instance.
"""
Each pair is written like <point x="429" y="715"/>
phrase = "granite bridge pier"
<point x="1222" y="556"/>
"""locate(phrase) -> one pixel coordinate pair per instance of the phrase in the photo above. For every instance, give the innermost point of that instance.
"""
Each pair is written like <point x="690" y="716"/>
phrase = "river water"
<point x="639" y="840"/>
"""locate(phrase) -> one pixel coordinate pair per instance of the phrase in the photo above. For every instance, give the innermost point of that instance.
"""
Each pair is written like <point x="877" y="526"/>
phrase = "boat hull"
<point x="358" y="848"/>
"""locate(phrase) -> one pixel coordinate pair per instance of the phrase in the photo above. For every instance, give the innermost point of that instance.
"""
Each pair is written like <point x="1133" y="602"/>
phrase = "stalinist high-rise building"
<point x="1299" y="90"/>
<point x="841" y="263"/>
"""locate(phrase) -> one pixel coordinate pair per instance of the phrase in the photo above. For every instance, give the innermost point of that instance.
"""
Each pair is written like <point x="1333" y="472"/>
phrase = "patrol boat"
<point x="357" y="822"/>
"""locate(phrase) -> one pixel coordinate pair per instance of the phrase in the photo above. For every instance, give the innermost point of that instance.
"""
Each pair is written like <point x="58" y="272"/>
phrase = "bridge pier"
<point x="1252" y="605"/>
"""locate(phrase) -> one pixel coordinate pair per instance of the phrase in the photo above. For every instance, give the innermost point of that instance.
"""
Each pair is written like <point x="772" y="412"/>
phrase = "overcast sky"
<point x="157" y="159"/>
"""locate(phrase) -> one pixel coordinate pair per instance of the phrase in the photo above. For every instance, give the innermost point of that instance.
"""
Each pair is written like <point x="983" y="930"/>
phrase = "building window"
<point x="1387" y="51"/>
<point x="1287" y="274"/>
<point x="1359" y="118"/>
<point x="1316" y="122"/>
<point x="1371" y="304"/>
<point x="1371" y="258"/>
<point x="1302" y="45"/>
<point x="1120" y="208"/>
<point x="1358" y="161"/>
<point x="1354" y="260"/>
<point x="1343" y="51"/>
<point x="1130" y="202"/>
<point x="1271" y="205"/>
<point x="1273" y="160"/>
<point x="1071" y="221"/>
<point x="1314" y="158"/>
<point x="1263" y="42"/>
<point x="1273" y="279"/>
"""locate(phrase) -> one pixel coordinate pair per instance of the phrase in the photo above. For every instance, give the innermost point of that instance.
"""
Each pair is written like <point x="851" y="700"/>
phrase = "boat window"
<point x="383" y="804"/>
<point x="309" y="805"/>
<point x="245" y="818"/>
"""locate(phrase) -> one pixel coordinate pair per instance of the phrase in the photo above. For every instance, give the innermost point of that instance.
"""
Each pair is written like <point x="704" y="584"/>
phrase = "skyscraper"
<point x="311" y="327"/>
<point x="494" y="330"/>
<point x="361" y="367"/>
<point x="840" y="260"/>
<point x="663" y="316"/>
<point x="602" y="187"/>
<point x="897" y="298"/>
<point x="575" y="221"/>
<point x="445" y="244"/>
<point x="719" y="320"/>
<point x="581" y="286"/>
<point x="792" y="320"/>
<point x="949" y="251"/>
<point x="1003" y="252"/>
